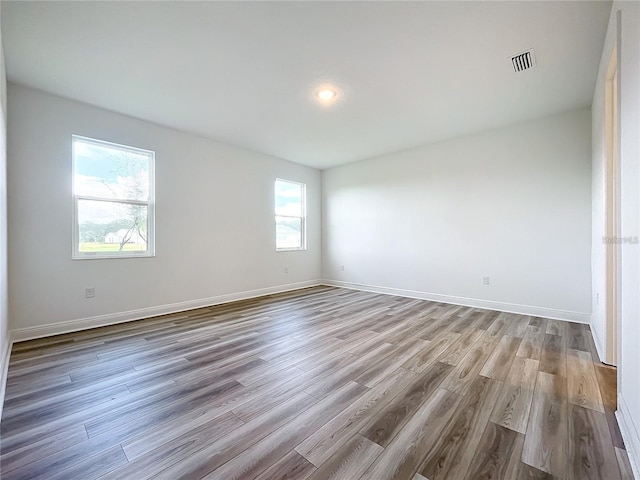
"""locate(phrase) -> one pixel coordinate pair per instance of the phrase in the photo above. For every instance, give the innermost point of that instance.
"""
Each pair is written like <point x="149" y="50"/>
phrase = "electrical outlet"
<point x="485" y="281"/>
<point x="342" y="268"/>
<point x="286" y="269"/>
<point x="89" y="292"/>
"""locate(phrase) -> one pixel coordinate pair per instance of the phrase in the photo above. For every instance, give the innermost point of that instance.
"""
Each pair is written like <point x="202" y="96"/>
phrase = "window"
<point x="290" y="215"/>
<point x="113" y="196"/>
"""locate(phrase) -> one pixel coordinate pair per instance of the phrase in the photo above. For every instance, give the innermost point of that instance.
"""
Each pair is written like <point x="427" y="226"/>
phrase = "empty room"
<point x="319" y="240"/>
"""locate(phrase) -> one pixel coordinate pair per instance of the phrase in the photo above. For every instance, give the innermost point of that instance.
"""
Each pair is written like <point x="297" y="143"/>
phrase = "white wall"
<point x="4" y="318"/>
<point x="629" y="329"/>
<point x="513" y="204"/>
<point x="215" y="232"/>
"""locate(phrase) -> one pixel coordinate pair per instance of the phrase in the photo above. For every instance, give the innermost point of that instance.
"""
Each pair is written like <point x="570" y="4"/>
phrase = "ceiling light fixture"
<point x="326" y="94"/>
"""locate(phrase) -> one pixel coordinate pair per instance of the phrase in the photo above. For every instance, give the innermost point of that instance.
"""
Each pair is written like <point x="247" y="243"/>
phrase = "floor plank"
<point x="546" y="440"/>
<point x="432" y="352"/>
<point x="577" y="336"/>
<point x="517" y="325"/>
<point x="387" y="423"/>
<point x="49" y="445"/>
<point x="326" y="441"/>
<point x="591" y="451"/>
<point x="185" y="428"/>
<point x="527" y="472"/>
<point x="623" y="462"/>
<point x="459" y="348"/>
<point x="498" y="455"/>
<point x="556" y="327"/>
<point x="292" y="466"/>
<point x="95" y="466"/>
<point x="403" y="456"/>
<point x="498" y="364"/>
<point x="512" y="408"/>
<point x="203" y="443"/>
<point x="381" y="369"/>
<point x="252" y="461"/>
<point x="469" y="367"/>
<point x="583" y="388"/>
<point x="607" y="381"/>
<point x="453" y="450"/>
<point x="553" y="359"/>
<point x="352" y="460"/>
<point x="531" y="346"/>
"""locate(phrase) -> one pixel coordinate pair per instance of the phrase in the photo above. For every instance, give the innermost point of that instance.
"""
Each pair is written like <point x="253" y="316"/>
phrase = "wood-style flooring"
<point x="312" y="384"/>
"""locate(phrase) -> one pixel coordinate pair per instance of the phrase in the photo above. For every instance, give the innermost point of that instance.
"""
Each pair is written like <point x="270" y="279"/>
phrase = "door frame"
<point x="612" y="210"/>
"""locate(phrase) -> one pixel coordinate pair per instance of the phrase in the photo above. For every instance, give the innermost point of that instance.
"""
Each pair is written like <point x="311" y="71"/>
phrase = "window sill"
<point x="108" y="257"/>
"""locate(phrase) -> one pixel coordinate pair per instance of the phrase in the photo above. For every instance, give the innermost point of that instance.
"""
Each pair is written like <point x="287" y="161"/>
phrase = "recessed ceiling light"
<point x="326" y="94"/>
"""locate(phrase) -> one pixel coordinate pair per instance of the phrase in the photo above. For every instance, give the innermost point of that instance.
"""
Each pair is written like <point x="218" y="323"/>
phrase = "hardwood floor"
<point x="318" y="383"/>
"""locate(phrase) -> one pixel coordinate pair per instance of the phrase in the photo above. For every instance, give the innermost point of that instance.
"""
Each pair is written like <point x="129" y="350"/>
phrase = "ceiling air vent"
<point x="523" y="61"/>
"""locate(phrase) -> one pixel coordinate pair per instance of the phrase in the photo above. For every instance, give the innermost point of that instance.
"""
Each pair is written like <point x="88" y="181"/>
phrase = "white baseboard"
<point x="630" y="435"/>
<point x="30" y="333"/>
<point x="4" y="369"/>
<point x="579" y="317"/>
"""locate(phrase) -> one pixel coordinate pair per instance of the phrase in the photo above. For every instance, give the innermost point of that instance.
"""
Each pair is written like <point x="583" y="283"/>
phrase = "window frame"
<point x="303" y="217"/>
<point x="150" y="204"/>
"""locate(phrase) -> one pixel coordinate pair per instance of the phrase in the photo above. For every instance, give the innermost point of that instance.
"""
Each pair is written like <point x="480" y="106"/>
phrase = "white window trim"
<point x="150" y="204"/>
<point x="303" y="218"/>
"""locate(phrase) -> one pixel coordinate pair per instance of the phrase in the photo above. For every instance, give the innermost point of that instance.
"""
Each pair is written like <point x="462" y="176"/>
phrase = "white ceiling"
<point x="244" y="72"/>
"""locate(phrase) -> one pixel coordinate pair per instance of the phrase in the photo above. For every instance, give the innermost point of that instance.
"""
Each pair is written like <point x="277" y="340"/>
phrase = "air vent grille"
<point x="523" y="61"/>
